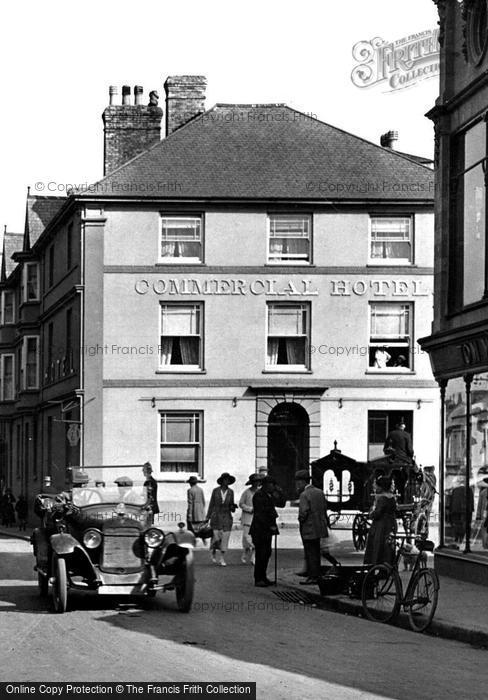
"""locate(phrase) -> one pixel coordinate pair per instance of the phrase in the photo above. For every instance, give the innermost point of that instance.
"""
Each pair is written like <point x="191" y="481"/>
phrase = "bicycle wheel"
<point x="381" y="594"/>
<point x="422" y="599"/>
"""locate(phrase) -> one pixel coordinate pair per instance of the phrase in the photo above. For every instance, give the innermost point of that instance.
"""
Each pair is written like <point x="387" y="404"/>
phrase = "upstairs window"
<point x="391" y="240"/>
<point x="288" y="337"/>
<point x="30" y="362"/>
<point x="30" y="282"/>
<point x="181" y="341"/>
<point x="391" y="337"/>
<point x="289" y="239"/>
<point x="8" y="307"/>
<point x="7" y="363"/>
<point x="181" y="239"/>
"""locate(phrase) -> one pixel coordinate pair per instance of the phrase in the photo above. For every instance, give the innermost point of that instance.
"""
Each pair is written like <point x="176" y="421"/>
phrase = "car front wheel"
<point x="185" y="584"/>
<point x="60" y="585"/>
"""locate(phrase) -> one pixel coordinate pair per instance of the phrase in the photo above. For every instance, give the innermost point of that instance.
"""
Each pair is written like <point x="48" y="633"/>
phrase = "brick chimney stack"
<point x="389" y="139"/>
<point x="185" y="99"/>
<point x="129" y="129"/>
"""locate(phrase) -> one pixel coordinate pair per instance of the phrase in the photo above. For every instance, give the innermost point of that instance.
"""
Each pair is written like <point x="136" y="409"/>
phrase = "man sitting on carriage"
<point x="398" y="449"/>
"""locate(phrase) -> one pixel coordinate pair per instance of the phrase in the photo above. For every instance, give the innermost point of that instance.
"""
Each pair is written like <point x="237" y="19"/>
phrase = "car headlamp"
<point x="92" y="539"/>
<point x="153" y="537"/>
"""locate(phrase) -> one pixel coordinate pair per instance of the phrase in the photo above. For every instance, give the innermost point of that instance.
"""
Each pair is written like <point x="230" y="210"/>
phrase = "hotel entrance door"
<point x="288" y="445"/>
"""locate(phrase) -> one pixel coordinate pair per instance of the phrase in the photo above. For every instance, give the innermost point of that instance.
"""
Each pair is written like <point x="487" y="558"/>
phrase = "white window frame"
<point x="2" y="376"/>
<point x="395" y="343"/>
<point x="27" y="267"/>
<point x="183" y="367"/>
<point x="293" y="259"/>
<point x="181" y="260"/>
<point x="4" y="322"/>
<point x="198" y="443"/>
<point x="290" y="367"/>
<point x="391" y="261"/>
<point x="25" y="340"/>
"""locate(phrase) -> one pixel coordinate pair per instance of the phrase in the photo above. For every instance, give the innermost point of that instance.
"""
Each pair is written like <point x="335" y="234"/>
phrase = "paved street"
<point x="235" y="632"/>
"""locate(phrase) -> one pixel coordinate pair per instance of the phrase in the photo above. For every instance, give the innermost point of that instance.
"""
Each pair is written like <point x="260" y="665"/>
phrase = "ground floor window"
<point x="288" y="336"/>
<point x="466" y="494"/>
<point x="380" y="423"/>
<point x="181" y="442"/>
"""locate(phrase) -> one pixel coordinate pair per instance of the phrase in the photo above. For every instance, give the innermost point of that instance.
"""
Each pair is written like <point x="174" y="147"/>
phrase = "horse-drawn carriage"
<point x="349" y="488"/>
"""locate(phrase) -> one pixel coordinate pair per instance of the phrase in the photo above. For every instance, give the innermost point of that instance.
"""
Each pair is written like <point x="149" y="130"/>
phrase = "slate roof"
<point x="267" y="152"/>
<point x="12" y="243"/>
<point x="39" y="212"/>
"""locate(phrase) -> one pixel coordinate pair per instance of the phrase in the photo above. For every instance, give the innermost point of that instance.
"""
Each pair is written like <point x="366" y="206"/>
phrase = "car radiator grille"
<point x="121" y="549"/>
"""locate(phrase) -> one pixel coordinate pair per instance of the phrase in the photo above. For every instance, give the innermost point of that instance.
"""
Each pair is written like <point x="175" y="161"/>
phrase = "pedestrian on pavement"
<point x="379" y="547"/>
<point x="219" y="514"/>
<point x="22" y="509"/>
<point x="8" y="512"/>
<point x="263" y="527"/>
<point x="312" y="518"/>
<point x="152" y="489"/>
<point x="246" y="505"/>
<point x="195" y="512"/>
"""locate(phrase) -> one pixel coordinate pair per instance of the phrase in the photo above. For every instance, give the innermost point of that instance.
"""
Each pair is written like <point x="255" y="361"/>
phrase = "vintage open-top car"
<point x="101" y="538"/>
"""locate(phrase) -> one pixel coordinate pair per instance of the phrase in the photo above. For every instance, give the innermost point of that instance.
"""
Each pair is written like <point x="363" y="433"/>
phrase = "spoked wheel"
<point x="60" y="585"/>
<point x="381" y="593"/>
<point x="360" y="529"/>
<point x="422" y="602"/>
<point x="185" y="584"/>
<point x="42" y="582"/>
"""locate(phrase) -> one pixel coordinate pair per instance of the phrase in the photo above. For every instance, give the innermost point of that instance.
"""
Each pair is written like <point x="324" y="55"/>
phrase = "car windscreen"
<point x="93" y="495"/>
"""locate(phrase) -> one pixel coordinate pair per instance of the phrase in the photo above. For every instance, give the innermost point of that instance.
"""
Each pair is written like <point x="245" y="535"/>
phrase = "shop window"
<point x="181" y="443"/>
<point x="7" y="366"/>
<point x="380" y="423"/>
<point x="288" y="337"/>
<point x="390" y="337"/>
<point x="468" y="225"/>
<point x="181" y="239"/>
<point x="289" y="239"/>
<point x="391" y="240"/>
<point x="30" y="282"/>
<point x="30" y="362"/>
<point x="8" y="307"/>
<point x="181" y="342"/>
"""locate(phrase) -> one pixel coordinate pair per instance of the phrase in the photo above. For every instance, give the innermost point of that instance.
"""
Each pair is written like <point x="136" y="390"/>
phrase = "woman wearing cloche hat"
<point x="246" y="505"/>
<point x="219" y="513"/>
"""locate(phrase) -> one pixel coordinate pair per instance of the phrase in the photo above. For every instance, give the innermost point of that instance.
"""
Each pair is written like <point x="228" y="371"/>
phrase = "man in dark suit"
<point x="312" y="518"/>
<point x="398" y="443"/>
<point x="263" y="527"/>
<point x="152" y="488"/>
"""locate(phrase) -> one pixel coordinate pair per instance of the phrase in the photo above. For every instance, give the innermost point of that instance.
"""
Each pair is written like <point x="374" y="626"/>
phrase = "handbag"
<point x="204" y="532"/>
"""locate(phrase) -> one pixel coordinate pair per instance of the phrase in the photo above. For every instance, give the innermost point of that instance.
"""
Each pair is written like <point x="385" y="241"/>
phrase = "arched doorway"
<point x="288" y="445"/>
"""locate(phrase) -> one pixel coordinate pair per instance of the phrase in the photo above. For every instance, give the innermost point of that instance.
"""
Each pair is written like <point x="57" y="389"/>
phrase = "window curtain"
<point x="273" y="344"/>
<point x="189" y="351"/>
<point x="294" y="351"/>
<point x="166" y="350"/>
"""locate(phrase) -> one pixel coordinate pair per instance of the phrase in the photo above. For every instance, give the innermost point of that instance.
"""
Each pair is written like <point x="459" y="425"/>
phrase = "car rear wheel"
<point x="185" y="585"/>
<point x="60" y="585"/>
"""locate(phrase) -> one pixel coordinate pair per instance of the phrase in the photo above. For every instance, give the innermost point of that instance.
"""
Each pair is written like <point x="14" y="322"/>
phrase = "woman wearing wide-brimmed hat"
<point x="219" y="513"/>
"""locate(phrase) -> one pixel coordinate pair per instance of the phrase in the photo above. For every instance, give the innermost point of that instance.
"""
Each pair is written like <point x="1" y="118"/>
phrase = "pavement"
<point x="462" y="610"/>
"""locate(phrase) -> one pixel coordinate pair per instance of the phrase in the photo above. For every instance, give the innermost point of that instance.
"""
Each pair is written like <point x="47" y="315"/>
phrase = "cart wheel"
<point x="360" y="529"/>
<point x="185" y="585"/>
<point x="60" y="585"/>
<point x="422" y="602"/>
<point x="42" y="582"/>
<point x="381" y="593"/>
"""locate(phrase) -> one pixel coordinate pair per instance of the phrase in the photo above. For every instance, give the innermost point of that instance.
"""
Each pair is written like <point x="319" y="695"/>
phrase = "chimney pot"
<point x="138" y="90"/>
<point x="113" y="91"/>
<point x="126" y="95"/>
<point x="389" y="139"/>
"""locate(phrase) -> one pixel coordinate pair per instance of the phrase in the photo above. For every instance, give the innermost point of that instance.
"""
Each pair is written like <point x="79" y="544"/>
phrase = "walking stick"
<point x="276" y="559"/>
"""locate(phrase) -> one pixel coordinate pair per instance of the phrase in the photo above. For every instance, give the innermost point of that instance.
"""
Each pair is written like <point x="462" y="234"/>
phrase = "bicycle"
<point x="382" y="594"/>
